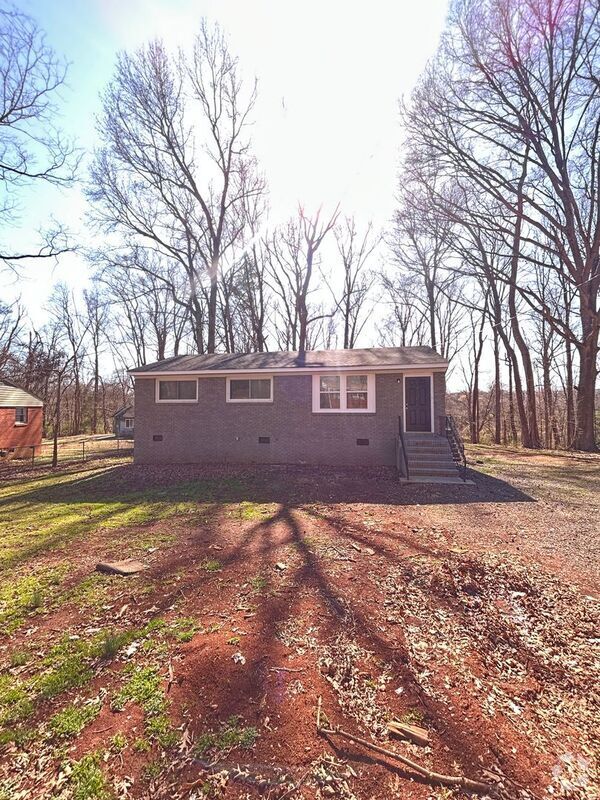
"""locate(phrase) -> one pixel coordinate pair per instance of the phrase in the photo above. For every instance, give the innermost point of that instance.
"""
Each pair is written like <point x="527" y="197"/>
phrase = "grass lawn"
<point x="470" y="611"/>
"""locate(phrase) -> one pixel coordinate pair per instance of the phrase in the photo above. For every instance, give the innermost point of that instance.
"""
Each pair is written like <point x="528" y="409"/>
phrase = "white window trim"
<point x="169" y="380"/>
<point x="126" y="420"/>
<point x="19" y="423"/>
<point x="419" y="374"/>
<point x="248" y="378"/>
<point x="316" y="394"/>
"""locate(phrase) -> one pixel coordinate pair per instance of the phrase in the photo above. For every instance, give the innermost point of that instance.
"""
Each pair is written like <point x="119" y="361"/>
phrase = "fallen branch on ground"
<point x="296" y="786"/>
<point x="478" y="787"/>
<point x="286" y="669"/>
<point x="413" y="732"/>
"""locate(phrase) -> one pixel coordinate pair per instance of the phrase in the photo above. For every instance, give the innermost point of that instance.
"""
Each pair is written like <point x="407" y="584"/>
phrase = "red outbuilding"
<point x="21" y="420"/>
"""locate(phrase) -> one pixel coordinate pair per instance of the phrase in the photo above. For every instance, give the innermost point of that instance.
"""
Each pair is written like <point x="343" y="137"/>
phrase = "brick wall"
<point x="12" y="435"/>
<point x="213" y="430"/>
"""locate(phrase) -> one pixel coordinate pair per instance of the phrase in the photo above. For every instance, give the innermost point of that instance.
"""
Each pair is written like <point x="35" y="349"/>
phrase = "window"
<point x="249" y="390"/>
<point x="344" y="393"/>
<point x="21" y="416"/>
<point x="129" y="422"/>
<point x="356" y="391"/>
<point x="329" y="391"/>
<point x="177" y="391"/>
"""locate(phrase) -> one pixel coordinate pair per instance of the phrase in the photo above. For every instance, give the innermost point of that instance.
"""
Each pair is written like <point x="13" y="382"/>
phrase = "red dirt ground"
<point x="447" y="607"/>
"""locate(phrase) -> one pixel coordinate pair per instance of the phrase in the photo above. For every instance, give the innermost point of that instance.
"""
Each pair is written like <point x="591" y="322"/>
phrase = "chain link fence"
<point x="70" y="449"/>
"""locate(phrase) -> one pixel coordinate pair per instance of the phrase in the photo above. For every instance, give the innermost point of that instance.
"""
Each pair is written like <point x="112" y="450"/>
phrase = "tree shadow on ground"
<point x="339" y="612"/>
<point x="42" y="516"/>
<point x="310" y="581"/>
<point x="297" y="485"/>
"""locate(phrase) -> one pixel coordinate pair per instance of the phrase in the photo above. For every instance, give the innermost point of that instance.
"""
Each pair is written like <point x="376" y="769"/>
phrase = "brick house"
<point x="330" y="407"/>
<point x="21" y="420"/>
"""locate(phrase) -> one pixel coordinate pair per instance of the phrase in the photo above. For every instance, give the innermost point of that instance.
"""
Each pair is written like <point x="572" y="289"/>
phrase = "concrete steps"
<point x="424" y="466"/>
<point x="430" y="458"/>
<point x="432" y="472"/>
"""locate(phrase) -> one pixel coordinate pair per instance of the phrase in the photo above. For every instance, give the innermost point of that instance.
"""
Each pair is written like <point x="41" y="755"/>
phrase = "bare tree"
<point x="421" y="243"/>
<point x="32" y="148"/>
<point x="405" y="324"/>
<point x="487" y="257"/>
<point x="141" y="294"/>
<point x="96" y="322"/>
<point x="244" y="294"/>
<point x="11" y="323"/>
<point x="477" y="323"/>
<point x="356" y="251"/>
<point x="510" y="107"/>
<point x="70" y="329"/>
<point x="44" y="367"/>
<point x="175" y="173"/>
<point x="251" y="290"/>
<point x="294" y="258"/>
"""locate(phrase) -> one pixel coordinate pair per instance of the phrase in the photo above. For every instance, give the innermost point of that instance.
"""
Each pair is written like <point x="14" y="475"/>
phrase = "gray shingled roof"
<point x="122" y="412"/>
<point x="12" y="396"/>
<point x="371" y="358"/>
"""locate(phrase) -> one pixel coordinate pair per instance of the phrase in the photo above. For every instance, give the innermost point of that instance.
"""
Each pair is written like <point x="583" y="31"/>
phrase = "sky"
<point x="330" y="75"/>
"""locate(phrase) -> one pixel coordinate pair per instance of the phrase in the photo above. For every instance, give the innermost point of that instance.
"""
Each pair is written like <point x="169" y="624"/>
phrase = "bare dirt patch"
<point x="265" y="589"/>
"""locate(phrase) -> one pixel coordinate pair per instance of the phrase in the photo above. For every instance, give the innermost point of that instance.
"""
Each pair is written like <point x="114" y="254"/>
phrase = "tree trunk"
<point x="477" y="350"/>
<point x="96" y="390"/>
<point x="212" y="314"/>
<point x="161" y="345"/>
<point x="56" y="431"/>
<point x="197" y="320"/>
<point x="431" y="301"/>
<point x="104" y="414"/>
<point x="76" y="424"/>
<point x="347" y="343"/>
<point x="530" y="436"/>
<point x="511" y="402"/>
<point x="555" y="429"/>
<point x="475" y="407"/>
<point x="569" y="392"/>
<point x="497" y="389"/>
<point x="302" y="327"/>
<point x="547" y="384"/>
<point x="469" y="399"/>
<point x="570" y="397"/>
<point x="513" y="372"/>
<point x="585" y="438"/>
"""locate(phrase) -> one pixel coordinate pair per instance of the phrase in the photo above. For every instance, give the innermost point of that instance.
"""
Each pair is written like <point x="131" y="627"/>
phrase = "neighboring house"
<point x="123" y="422"/>
<point x="322" y="407"/>
<point x="21" y="420"/>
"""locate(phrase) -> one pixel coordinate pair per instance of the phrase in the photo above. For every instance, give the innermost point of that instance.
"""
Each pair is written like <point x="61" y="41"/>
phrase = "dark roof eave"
<point x="373" y="359"/>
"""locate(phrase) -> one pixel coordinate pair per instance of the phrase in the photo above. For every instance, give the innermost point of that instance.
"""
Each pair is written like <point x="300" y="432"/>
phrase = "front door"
<point x="418" y="404"/>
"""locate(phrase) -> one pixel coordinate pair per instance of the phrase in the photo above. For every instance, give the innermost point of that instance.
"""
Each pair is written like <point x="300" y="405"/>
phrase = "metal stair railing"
<point x="401" y="455"/>
<point x="457" y="447"/>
